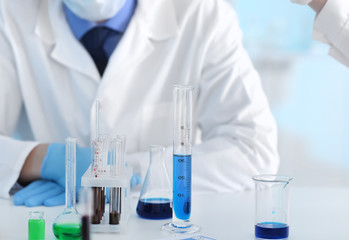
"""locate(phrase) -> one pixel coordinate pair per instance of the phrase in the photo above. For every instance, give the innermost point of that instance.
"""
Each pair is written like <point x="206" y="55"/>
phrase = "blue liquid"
<point x="271" y="230"/>
<point x="182" y="186"/>
<point x="154" y="208"/>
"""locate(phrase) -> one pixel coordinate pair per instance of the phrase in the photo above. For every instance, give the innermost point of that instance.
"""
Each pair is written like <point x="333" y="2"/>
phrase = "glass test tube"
<point x="182" y="151"/>
<point x="99" y="154"/>
<point x="117" y="168"/>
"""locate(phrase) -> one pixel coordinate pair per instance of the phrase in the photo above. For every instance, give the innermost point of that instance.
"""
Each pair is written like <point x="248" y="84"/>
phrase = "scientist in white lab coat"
<point x="48" y="68"/>
<point x="332" y="26"/>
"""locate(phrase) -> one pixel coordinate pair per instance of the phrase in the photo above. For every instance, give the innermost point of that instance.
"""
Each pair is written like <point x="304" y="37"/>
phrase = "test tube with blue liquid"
<point x="182" y="157"/>
<point x="272" y="206"/>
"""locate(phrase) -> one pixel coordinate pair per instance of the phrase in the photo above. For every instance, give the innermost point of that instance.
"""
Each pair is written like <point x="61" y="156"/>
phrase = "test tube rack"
<point x="105" y="180"/>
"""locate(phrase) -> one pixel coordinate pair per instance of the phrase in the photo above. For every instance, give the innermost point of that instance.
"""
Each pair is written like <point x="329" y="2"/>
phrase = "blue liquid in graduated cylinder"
<point x="182" y="186"/>
<point x="154" y="208"/>
<point x="271" y="230"/>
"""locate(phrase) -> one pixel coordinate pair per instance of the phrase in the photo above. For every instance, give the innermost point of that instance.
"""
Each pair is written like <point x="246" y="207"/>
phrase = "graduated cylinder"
<point x="182" y="157"/>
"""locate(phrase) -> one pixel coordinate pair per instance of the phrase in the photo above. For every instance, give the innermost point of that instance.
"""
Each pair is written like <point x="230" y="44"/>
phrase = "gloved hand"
<point x="40" y="192"/>
<point x="53" y="166"/>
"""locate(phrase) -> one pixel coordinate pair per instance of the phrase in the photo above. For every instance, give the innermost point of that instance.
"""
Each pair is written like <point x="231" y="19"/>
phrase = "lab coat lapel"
<point x="134" y="47"/>
<point x="152" y="22"/>
<point x="67" y="50"/>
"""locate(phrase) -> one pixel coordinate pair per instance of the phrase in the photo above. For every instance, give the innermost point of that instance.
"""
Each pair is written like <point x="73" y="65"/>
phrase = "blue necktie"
<point x="94" y="41"/>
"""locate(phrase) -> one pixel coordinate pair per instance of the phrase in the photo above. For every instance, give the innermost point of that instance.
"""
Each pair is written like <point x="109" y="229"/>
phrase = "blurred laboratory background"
<point x="306" y="88"/>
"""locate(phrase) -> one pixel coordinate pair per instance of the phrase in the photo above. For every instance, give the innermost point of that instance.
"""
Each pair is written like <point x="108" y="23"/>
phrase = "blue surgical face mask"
<point x="94" y="10"/>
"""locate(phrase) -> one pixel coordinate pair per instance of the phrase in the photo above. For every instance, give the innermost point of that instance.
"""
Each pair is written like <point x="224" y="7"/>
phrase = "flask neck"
<point x="70" y="174"/>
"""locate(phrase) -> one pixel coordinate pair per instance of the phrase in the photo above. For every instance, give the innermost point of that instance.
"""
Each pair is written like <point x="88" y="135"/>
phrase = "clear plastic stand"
<point x="107" y="181"/>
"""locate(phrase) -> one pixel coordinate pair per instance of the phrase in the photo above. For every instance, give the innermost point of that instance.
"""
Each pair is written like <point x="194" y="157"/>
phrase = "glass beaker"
<point x="272" y="206"/>
<point x="155" y="199"/>
<point x="68" y="224"/>
<point x="36" y="225"/>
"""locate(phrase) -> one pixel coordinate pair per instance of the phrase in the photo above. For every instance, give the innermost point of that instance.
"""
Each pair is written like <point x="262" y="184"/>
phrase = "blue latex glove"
<point x="40" y="192"/>
<point x="53" y="166"/>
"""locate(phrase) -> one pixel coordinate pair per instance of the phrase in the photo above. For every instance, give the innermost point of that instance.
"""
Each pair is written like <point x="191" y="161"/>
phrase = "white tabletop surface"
<point x="315" y="213"/>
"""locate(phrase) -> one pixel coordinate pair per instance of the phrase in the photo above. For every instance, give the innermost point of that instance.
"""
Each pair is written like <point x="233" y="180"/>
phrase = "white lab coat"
<point x="48" y="72"/>
<point x="332" y="27"/>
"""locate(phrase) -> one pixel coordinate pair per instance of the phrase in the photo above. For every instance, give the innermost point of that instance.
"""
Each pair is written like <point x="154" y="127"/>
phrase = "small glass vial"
<point x="36" y="225"/>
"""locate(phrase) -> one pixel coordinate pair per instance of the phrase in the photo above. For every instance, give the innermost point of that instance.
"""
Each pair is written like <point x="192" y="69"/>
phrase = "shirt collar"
<point x="118" y="23"/>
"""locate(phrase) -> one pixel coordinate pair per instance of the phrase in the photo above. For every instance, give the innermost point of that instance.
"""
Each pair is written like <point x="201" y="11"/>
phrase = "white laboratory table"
<point x="315" y="213"/>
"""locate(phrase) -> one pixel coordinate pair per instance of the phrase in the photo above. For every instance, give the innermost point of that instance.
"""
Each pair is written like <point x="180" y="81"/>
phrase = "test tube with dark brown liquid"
<point x="96" y="212"/>
<point x="99" y="148"/>
<point x="117" y="167"/>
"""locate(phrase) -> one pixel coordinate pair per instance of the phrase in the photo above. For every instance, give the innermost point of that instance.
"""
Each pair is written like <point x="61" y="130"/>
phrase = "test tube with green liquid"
<point x="36" y="225"/>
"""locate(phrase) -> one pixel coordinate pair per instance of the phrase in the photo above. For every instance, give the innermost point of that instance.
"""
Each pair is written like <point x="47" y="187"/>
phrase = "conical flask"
<point x="155" y="199"/>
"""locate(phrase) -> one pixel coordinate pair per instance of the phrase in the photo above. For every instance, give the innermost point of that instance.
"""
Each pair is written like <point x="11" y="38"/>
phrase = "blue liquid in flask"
<point x="182" y="186"/>
<point x="154" y="208"/>
<point x="271" y="230"/>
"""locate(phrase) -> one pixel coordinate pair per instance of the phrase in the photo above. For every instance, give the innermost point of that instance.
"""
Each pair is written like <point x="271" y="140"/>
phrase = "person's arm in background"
<point x="238" y="131"/>
<point x="21" y="161"/>
<point x="317" y="5"/>
<point x="31" y="169"/>
<point x="332" y="26"/>
<point x="13" y="152"/>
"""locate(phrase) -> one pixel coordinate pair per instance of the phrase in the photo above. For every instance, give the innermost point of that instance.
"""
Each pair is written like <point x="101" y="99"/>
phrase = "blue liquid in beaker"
<point x="154" y="208"/>
<point x="271" y="230"/>
<point x="182" y="186"/>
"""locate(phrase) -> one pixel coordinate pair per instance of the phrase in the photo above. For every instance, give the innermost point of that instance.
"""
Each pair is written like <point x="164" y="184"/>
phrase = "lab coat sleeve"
<point x="13" y="152"/>
<point x="239" y="137"/>
<point x="332" y="27"/>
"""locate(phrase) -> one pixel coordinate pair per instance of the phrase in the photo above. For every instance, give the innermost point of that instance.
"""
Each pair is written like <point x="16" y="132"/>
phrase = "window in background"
<point x="306" y="88"/>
